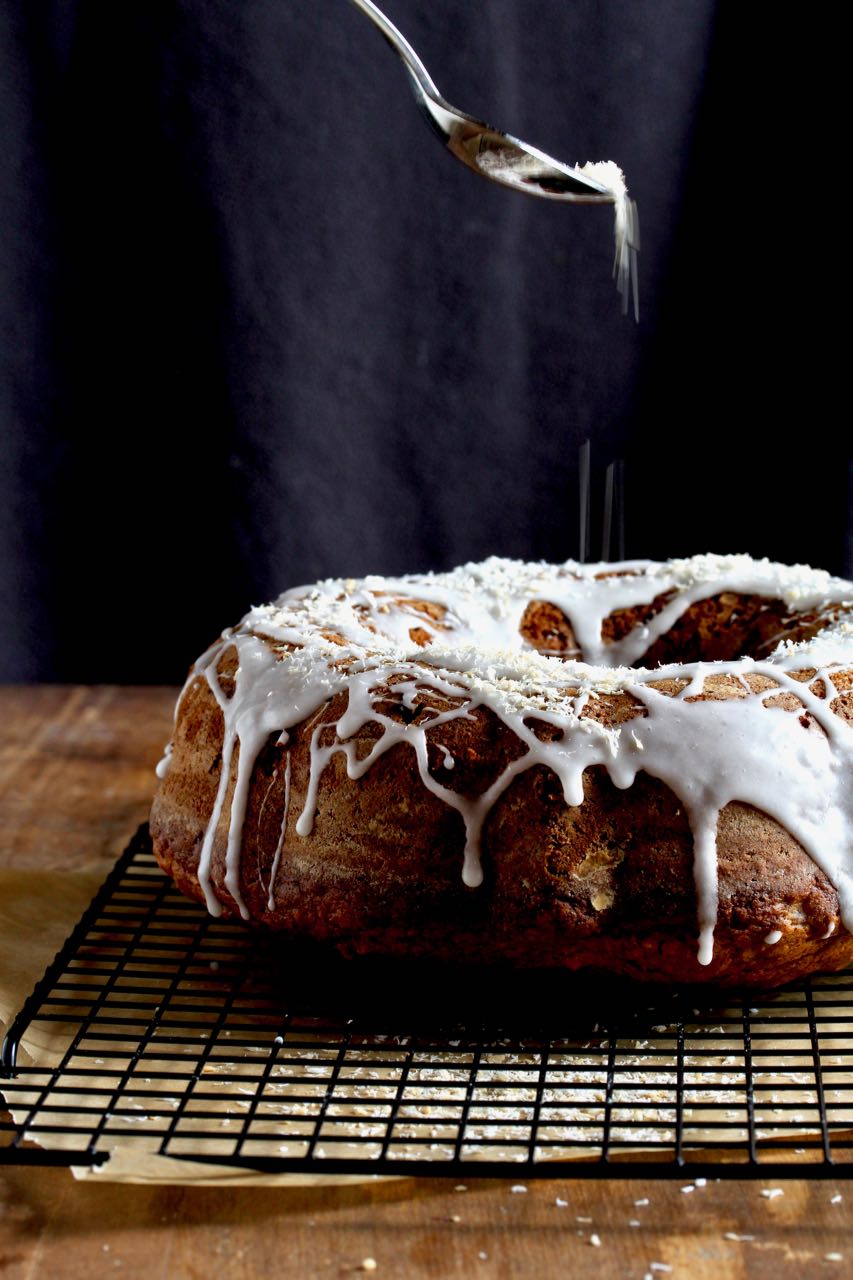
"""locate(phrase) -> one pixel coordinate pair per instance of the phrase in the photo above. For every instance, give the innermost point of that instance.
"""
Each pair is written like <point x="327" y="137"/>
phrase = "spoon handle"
<point x="401" y="47"/>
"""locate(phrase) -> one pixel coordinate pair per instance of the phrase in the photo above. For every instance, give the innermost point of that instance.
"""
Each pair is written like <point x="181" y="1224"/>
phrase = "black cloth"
<point x="258" y="328"/>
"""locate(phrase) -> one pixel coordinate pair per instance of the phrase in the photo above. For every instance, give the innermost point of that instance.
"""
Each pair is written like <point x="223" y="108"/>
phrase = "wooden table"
<point x="76" y="775"/>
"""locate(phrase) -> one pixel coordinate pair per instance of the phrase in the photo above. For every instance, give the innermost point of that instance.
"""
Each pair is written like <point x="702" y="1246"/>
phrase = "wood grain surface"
<point x="75" y="780"/>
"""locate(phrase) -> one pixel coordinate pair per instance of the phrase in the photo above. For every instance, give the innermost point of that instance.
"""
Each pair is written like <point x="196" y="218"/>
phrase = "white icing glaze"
<point x="282" y="832"/>
<point x="353" y="636"/>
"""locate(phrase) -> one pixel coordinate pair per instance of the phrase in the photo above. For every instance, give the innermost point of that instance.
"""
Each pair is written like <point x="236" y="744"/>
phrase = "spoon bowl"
<point x="488" y="151"/>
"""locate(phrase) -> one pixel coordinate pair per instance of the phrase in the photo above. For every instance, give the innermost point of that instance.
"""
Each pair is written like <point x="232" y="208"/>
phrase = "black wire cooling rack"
<point x="160" y="1029"/>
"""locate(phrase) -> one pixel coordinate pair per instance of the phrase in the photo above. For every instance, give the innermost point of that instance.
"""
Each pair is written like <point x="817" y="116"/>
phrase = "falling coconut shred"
<point x="626" y="229"/>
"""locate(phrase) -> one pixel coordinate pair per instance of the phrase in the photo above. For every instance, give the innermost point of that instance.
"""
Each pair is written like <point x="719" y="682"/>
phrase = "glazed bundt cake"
<point x="640" y="768"/>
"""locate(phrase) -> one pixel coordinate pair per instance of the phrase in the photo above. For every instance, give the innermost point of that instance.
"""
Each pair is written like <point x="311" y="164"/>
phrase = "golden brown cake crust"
<point x="607" y="884"/>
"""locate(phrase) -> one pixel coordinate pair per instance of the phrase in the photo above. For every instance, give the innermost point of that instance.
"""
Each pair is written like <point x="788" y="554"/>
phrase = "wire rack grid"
<point x="162" y="1030"/>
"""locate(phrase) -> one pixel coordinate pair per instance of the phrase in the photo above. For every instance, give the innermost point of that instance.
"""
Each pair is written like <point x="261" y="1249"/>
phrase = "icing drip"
<point x="280" y="845"/>
<point x="162" y="767"/>
<point x="793" y="762"/>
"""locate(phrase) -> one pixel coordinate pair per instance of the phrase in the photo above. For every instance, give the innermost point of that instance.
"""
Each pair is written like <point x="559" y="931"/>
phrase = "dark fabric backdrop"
<point x="258" y="328"/>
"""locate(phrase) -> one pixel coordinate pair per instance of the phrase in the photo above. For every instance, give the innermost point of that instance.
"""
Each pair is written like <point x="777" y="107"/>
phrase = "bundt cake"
<point x="639" y="768"/>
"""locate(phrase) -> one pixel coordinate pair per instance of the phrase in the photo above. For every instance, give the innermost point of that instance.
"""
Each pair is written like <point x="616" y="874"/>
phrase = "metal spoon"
<point x="488" y="151"/>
